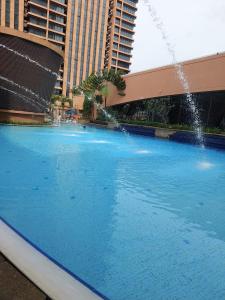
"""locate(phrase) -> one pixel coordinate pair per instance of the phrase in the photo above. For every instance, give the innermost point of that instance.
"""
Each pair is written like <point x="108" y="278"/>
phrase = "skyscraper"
<point x="120" y="33"/>
<point x="94" y="34"/>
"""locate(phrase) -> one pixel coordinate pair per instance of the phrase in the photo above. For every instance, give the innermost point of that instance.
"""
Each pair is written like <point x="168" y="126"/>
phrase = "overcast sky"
<point x="195" y="28"/>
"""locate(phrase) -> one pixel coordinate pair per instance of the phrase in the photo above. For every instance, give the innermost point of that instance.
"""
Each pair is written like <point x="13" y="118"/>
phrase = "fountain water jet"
<point x="28" y="100"/>
<point x="180" y="72"/>
<point x="21" y="87"/>
<point x="26" y="57"/>
<point x="114" y="120"/>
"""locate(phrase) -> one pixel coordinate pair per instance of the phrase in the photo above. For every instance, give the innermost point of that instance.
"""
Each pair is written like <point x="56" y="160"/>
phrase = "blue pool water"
<point x="134" y="217"/>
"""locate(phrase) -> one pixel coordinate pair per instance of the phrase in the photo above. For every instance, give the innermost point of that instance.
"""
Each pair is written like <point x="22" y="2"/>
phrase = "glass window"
<point x="16" y="14"/>
<point x="7" y="13"/>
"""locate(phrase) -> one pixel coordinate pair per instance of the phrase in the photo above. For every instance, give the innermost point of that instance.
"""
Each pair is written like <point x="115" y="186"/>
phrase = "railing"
<point x="128" y="26"/>
<point x="37" y="21"/>
<point x="129" y="9"/>
<point x="124" y="57"/>
<point x="38" y="12"/>
<point x="125" y="41"/>
<point x="57" y="18"/>
<point x="127" y="34"/>
<point x="128" y="18"/>
<point x="56" y="8"/>
<point x="40" y="2"/>
<point x="125" y="49"/>
<point x="133" y="3"/>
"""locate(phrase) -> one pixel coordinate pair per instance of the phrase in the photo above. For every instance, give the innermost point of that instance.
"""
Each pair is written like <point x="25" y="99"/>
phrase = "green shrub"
<point x="171" y="126"/>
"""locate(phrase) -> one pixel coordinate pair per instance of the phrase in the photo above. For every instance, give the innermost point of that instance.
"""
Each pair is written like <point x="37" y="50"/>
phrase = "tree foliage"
<point x="154" y="110"/>
<point x="95" y="88"/>
<point x="62" y="99"/>
<point x="96" y="84"/>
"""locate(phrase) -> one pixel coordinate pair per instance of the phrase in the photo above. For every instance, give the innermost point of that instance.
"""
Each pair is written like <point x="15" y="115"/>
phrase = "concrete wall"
<point x="78" y="102"/>
<point x="204" y="74"/>
<point x="21" y="117"/>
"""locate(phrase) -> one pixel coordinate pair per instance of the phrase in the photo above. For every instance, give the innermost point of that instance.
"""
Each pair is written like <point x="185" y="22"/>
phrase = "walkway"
<point x="15" y="286"/>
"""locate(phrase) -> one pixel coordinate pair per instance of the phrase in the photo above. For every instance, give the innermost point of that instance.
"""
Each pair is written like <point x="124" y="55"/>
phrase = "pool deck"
<point x="43" y="272"/>
<point x="15" y="286"/>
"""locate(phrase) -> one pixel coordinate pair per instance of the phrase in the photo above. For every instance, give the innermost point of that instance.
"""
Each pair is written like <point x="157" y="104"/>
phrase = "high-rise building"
<point x="94" y="34"/>
<point x="120" y="33"/>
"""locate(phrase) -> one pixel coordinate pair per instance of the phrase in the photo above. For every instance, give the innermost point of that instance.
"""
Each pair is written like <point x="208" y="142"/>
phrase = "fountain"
<point x="26" y="57"/>
<point x="179" y="69"/>
<point x="181" y="75"/>
<point x="24" y="89"/>
<point x="117" y="125"/>
<point x="180" y="72"/>
<point x="45" y="104"/>
<point x="28" y="71"/>
<point x="28" y="100"/>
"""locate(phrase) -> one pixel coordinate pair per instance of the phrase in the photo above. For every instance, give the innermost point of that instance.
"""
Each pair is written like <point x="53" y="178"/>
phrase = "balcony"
<point x="57" y="10"/>
<point x="131" y="3"/>
<point x="124" y="57"/>
<point x="56" y="28"/>
<point x="129" y="10"/>
<point x="32" y="24"/>
<point x="37" y="15"/>
<point x="37" y="31"/>
<point x="128" y="18"/>
<point x="37" y="21"/>
<point x="39" y="3"/>
<point x="57" y="18"/>
<point x="60" y="2"/>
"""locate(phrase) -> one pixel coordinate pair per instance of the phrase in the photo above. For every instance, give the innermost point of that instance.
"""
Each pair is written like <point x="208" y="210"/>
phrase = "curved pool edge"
<point x="56" y="282"/>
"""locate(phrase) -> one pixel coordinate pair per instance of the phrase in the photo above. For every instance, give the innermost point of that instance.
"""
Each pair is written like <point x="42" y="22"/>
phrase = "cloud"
<point x="195" y="29"/>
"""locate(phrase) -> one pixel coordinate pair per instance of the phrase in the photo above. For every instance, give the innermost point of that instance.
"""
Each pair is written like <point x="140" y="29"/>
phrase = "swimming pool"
<point x="134" y="217"/>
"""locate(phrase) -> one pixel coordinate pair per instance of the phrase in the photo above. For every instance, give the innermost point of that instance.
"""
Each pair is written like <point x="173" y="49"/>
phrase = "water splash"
<point x="180" y="72"/>
<point x="143" y="151"/>
<point x="26" y="57"/>
<point x="28" y="100"/>
<point x="114" y="121"/>
<point x="109" y="116"/>
<point x="100" y="142"/>
<point x="205" y="165"/>
<point x="21" y="87"/>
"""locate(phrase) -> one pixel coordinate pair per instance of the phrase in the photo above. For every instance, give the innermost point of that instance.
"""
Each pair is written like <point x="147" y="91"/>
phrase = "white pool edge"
<point x="50" y="278"/>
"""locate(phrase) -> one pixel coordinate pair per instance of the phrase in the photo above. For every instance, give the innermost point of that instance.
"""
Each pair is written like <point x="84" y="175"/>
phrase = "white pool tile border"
<point x="51" y="279"/>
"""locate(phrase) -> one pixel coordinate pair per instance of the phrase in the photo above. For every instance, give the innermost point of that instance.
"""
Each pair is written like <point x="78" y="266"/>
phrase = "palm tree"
<point x="95" y="87"/>
<point x="60" y="101"/>
<point x="65" y="102"/>
<point x="55" y="98"/>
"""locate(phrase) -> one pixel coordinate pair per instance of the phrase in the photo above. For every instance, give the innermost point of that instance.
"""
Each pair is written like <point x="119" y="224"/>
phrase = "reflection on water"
<point x="133" y="226"/>
<point x="143" y="151"/>
<point x="205" y="165"/>
<point x="99" y="142"/>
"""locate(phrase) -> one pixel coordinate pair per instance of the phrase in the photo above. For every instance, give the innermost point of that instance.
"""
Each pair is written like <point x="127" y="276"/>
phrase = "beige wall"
<point x="204" y="74"/>
<point x="78" y="102"/>
<point x="21" y="117"/>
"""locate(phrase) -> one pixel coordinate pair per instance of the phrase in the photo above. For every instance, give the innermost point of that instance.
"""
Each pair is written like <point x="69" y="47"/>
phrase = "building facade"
<point x="120" y="34"/>
<point x="206" y="78"/>
<point x="94" y="34"/>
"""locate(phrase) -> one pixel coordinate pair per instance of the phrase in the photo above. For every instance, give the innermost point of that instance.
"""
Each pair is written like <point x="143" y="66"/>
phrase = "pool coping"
<point x="211" y="140"/>
<point x="52" y="278"/>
